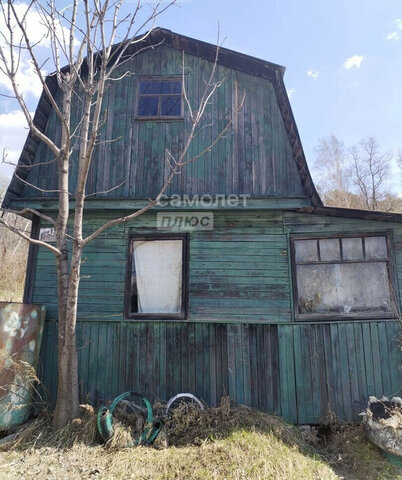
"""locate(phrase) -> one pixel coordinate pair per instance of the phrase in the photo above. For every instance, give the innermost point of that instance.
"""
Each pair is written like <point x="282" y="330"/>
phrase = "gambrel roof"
<point x="227" y="58"/>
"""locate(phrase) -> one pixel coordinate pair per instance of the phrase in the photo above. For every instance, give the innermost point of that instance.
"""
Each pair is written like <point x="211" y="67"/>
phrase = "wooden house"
<point x="241" y="282"/>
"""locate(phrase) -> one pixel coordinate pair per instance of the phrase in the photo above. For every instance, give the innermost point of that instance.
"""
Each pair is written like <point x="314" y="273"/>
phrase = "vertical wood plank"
<point x="289" y="407"/>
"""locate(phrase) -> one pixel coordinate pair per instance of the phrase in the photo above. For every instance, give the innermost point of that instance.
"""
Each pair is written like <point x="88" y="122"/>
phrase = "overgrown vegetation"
<point x="228" y="442"/>
<point x="13" y="255"/>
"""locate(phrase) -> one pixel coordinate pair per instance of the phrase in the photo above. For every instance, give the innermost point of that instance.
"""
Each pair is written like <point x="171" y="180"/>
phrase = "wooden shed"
<point x="241" y="282"/>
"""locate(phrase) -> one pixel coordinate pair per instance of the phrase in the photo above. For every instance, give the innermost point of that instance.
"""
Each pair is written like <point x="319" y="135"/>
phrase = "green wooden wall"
<point x="254" y="157"/>
<point x="240" y="337"/>
<point x="296" y="371"/>
<point x="238" y="271"/>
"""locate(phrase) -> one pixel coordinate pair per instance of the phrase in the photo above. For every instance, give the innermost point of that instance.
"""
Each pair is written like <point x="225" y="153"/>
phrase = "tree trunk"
<point x="67" y="404"/>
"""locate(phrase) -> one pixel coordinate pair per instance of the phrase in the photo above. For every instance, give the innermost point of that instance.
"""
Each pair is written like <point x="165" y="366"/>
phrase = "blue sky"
<point x="313" y="39"/>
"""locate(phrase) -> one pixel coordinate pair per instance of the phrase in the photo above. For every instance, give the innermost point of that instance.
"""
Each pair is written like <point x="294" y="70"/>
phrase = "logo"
<point x="185" y="222"/>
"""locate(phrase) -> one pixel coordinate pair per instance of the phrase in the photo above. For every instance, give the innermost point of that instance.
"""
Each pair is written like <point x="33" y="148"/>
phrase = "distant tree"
<point x="356" y="177"/>
<point x="390" y="203"/>
<point x="334" y="169"/>
<point x="370" y="170"/>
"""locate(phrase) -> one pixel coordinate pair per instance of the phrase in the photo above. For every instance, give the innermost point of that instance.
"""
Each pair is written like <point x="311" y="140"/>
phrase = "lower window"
<point x="344" y="276"/>
<point x="156" y="285"/>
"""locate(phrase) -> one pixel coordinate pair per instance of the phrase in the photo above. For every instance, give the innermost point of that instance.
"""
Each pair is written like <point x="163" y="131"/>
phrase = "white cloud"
<point x="34" y="24"/>
<point x="395" y="36"/>
<point x="26" y="79"/>
<point x="13" y="133"/>
<point x="290" y="92"/>
<point x="38" y="33"/>
<point x="312" y="73"/>
<point x="392" y="36"/>
<point x="354" y="61"/>
<point x="37" y="27"/>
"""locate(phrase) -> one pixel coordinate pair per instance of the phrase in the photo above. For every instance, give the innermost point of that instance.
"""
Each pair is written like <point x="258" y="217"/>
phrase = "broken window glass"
<point x="333" y="283"/>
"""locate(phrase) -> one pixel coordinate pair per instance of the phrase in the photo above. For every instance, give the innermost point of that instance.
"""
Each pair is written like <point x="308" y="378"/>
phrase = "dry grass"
<point x="351" y="454"/>
<point x="13" y="260"/>
<point x="222" y="443"/>
<point x="189" y="426"/>
<point x="242" y="455"/>
<point x="40" y="433"/>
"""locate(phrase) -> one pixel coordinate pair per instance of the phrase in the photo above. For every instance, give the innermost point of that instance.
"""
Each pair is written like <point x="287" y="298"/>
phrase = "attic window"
<point x="342" y="277"/>
<point x="160" y="98"/>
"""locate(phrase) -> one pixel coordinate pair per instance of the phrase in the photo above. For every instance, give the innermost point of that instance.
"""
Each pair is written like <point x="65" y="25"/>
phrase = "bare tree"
<point x="83" y="37"/>
<point x="333" y="168"/>
<point x="355" y="177"/>
<point x="399" y="159"/>
<point x="370" y="170"/>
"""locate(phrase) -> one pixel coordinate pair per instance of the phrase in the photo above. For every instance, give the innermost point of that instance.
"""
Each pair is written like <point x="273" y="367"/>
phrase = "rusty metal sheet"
<point x="21" y="328"/>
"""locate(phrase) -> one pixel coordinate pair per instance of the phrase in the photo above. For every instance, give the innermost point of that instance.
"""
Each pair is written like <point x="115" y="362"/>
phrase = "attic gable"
<point x="232" y="64"/>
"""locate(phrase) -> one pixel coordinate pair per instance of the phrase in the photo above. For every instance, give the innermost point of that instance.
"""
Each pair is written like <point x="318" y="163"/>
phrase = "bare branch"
<point x="35" y="186"/>
<point x="32" y="165"/>
<point x="106" y="191"/>
<point x="34" y="60"/>
<point x="180" y="162"/>
<point x="29" y="210"/>
<point x="29" y="239"/>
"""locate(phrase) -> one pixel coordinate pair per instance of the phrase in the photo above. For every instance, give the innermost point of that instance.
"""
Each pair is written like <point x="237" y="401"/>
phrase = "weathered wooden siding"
<point x="254" y="157"/>
<point x="240" y="338"/>
<point x="296" y="371"/>
<point x="238" y="271"/>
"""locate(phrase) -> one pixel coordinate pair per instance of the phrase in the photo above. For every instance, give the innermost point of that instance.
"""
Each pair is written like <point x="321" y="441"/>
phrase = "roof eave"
<point x="352" y="213"/>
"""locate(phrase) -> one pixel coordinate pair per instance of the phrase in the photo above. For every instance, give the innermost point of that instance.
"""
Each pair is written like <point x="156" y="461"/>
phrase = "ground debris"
<point x="188" y="425"/>
<point x="226" y="442"/>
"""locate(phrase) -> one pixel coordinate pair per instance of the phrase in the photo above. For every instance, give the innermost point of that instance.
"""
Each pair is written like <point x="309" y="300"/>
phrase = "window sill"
<point x="143" y="317"/>
<point x="159" y="119"/>
<point x="344" y="317"/>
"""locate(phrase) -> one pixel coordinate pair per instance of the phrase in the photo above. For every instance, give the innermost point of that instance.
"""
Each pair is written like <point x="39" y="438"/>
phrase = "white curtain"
<point x="158" y="266"/>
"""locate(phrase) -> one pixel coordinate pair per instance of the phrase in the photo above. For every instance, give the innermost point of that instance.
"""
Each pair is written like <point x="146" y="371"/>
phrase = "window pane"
<point x="352" y="248"/>
<point x="338" y="288"/>
<point x="151" y="87"/>
<point x="306" y="251"/>
<point x="148" y="107"/>
<point x="376" y="248"/>
<point x="171" y="87"/>
<point x="171" y="106"/>
<point x="330" y="250"/>
<point x="158" y="268"/>
<point x="315" y="287"/>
